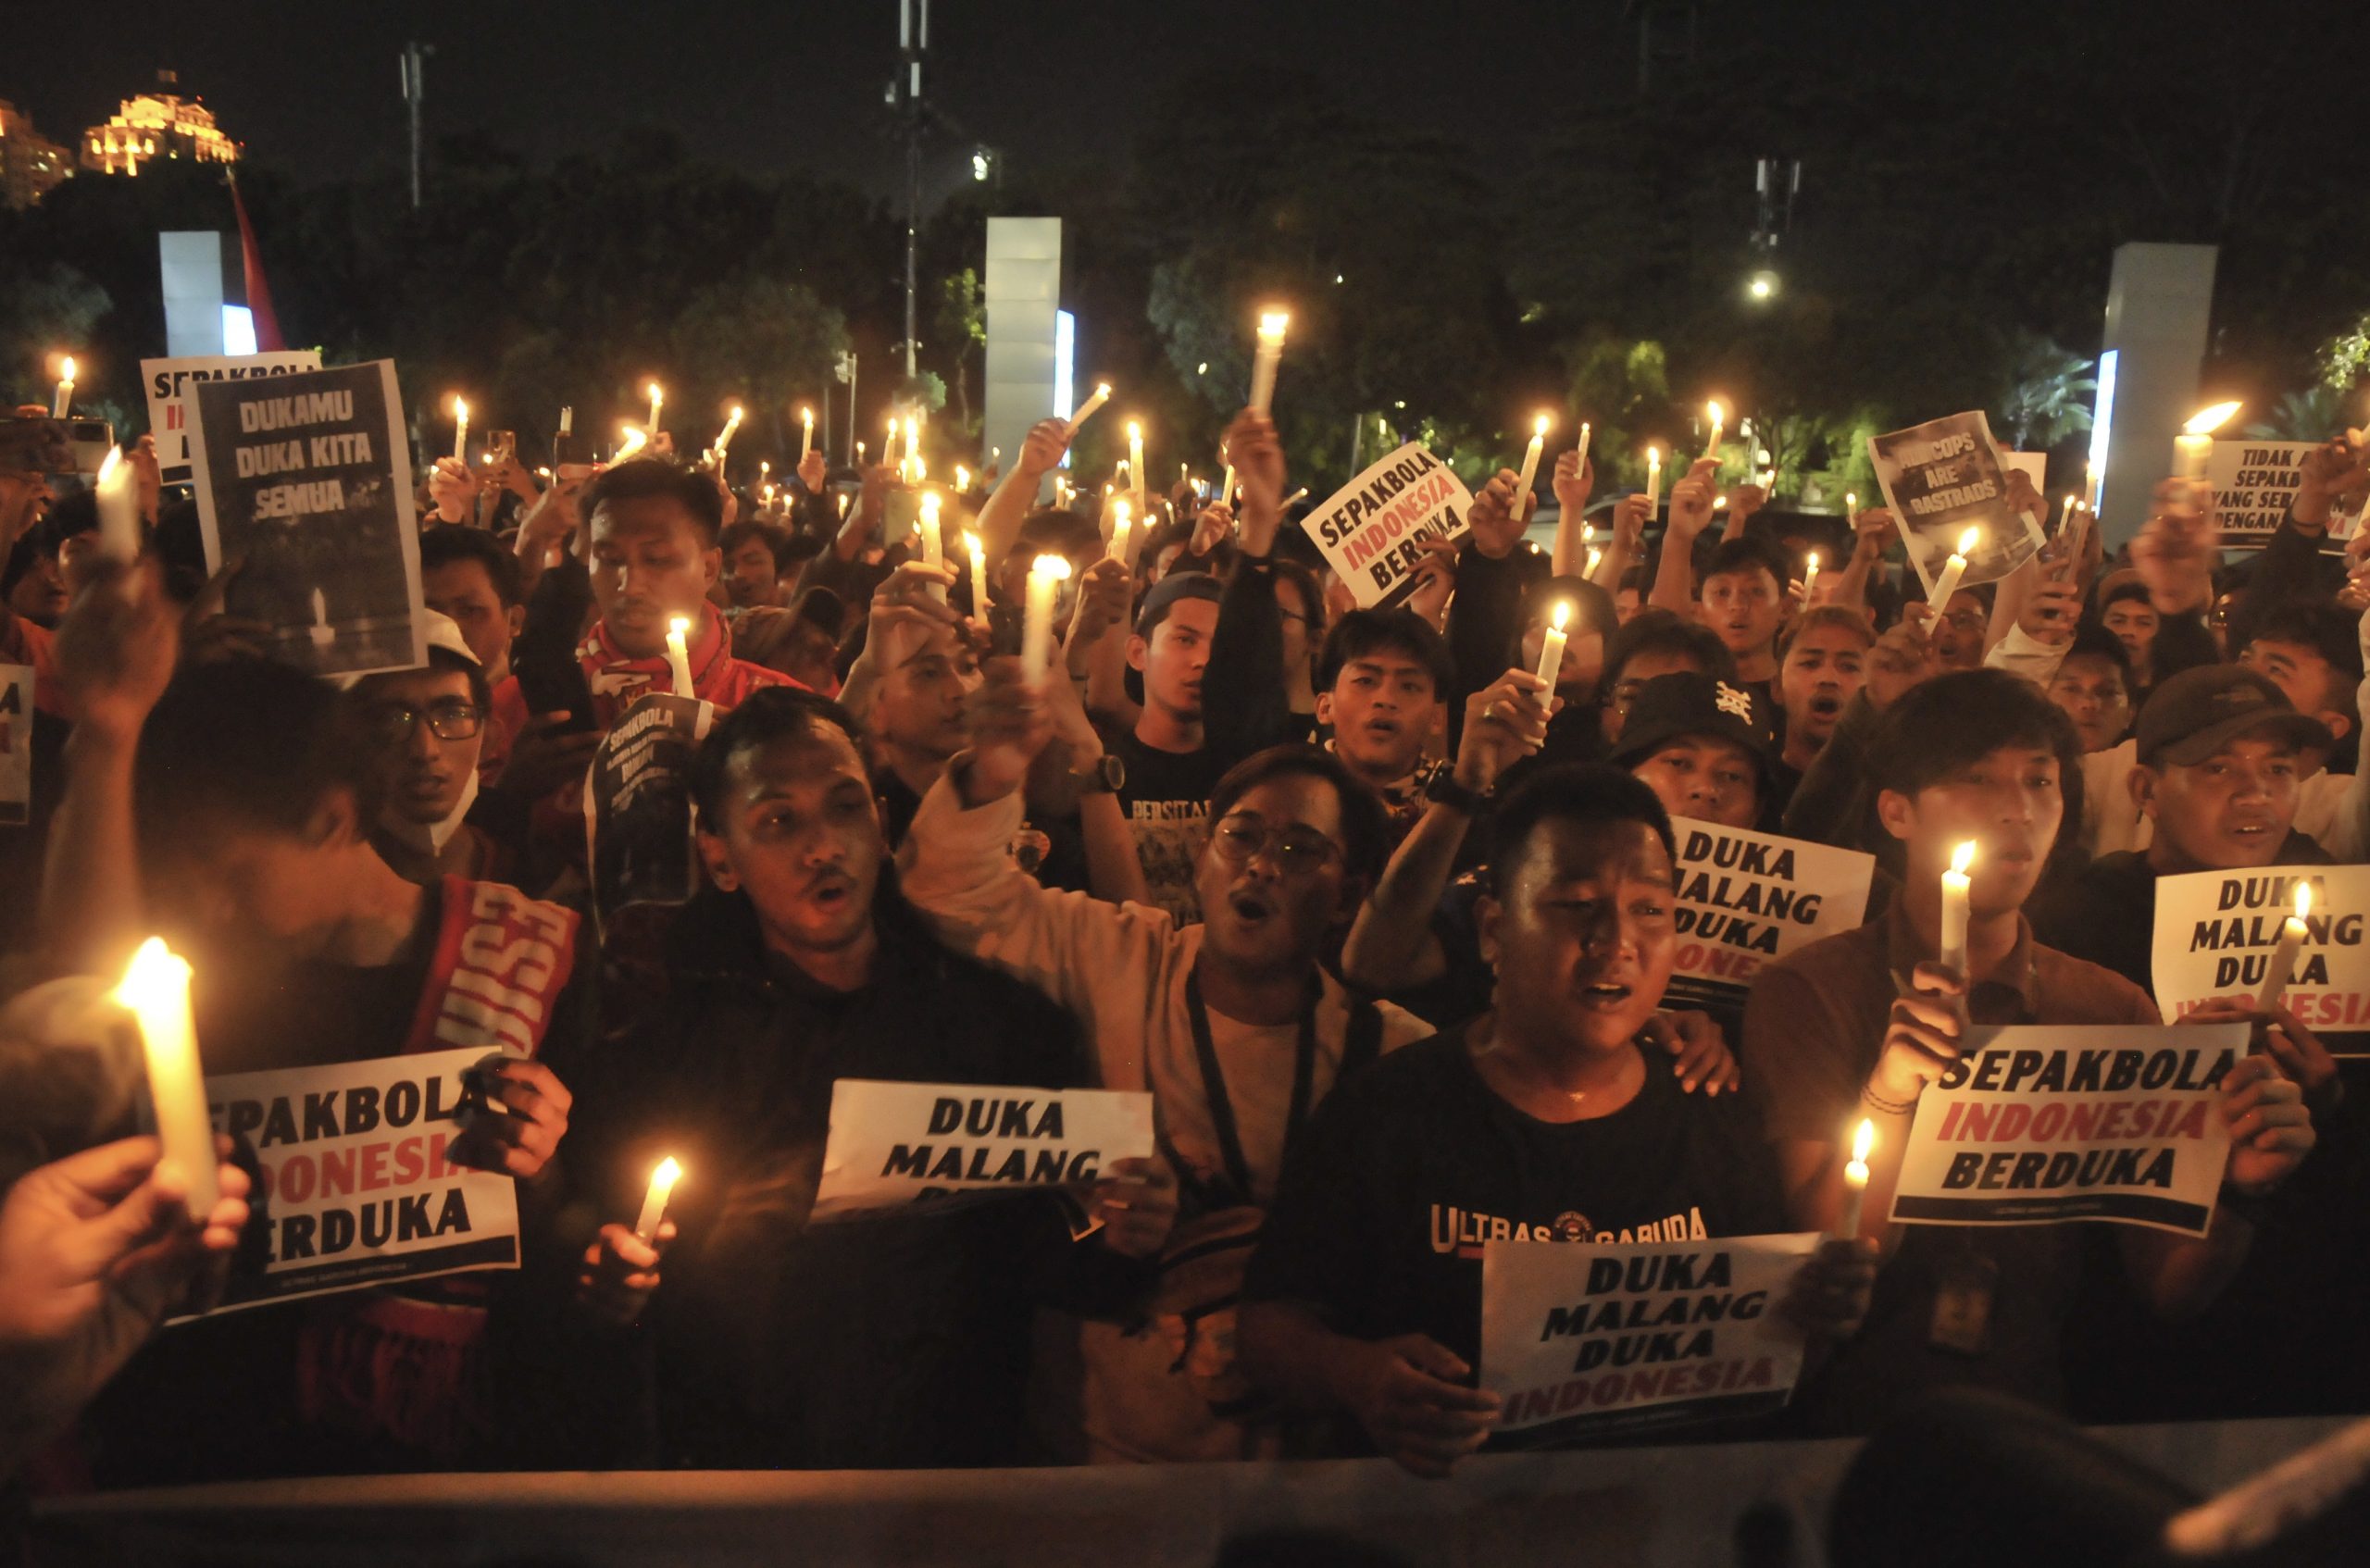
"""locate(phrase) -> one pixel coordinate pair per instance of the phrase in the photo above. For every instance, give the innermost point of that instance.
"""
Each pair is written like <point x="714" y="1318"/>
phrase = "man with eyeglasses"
<point x="427" y="726"/>
<point x="1231" y="1023"/>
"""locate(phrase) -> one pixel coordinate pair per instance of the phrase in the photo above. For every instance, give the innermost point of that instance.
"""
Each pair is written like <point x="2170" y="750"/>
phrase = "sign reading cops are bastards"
<point x="1942" y="477"/>
<point x="307" y="479"/>
<point x="893" y="1145"/>
<point x="358" y="1188"/>
<point x="2216" y="931"/>
<point x="1581" y="1339"/>
<point x="1372" y="530"/>
<point x="2255" y="484"/>
<point x="168" y="380"/>
<point x="1747" y="899"/>
<point x="2034" y="1126"/>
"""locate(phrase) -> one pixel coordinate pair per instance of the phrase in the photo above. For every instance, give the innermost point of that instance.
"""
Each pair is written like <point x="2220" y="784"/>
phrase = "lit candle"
<point x="1851" y="505"/>
<point x="63" y="402"/>
<point x="859" y="455"/>
<point x="1653" y="481"/>
<point x="1810" y="576"/>
<point x="1718" y="416"/>
<point x="1085" y="411"/>
<point x="653" y="1204"/>
<point x="1551" y="646"/>
<point x="933" y="542"/>
<point x="155" y="993"/>
<point x="2195" y="443"/>
<point x="322" y="633"/>
<point x="805" y="432"/>
<point x="889" y="447"/>
<point x="629" y="443"/>
<point x="1594" y="556"/>
<point x="732" y="423"/>
<point x="1226" y="485"/>
<point x="1045" y="577"/>
<point x="961" y="480"/>
<point x="460" y="431"/>
<point x="1956" y="883"/>
<point x="2292" y="933"/>
<point x="1952" y="570"/>
<point x="978" y="573"/>
<point x="567" y="420"/>
<point x="1265" y="358"/>
<point x="2089" y="487"/>
<point x="1855" y="1180"/>
<point x="1530" y="462"/>
<point x="1123" y="524"/>
<point x="119" y="497"/>
<point x="1294" y="499"/>
<point x="657" y="401"/>
<point x="679" y="655"/>
<point x="1136" y="459"/>
<point x="1580" y="467"/>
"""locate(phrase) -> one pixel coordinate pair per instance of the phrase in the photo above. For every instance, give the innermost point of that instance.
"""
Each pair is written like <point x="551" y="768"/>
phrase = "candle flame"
<point x="1539" y="425"/>
<point x="1562" y="614"/>
<point x="1272" y="323"/>
<point x="1119" y="512"/>
<point x="1654" y="456"/>
<point x="69" y="369"/>
<point x="1814" y="560"/>
<point x="929" y="504"/>
<point x="1713" y="411"/>
<point x="807" y="415"/>
<point x="679" y="625"/>
<point x="2205" y="421"/>
<point x="1101" y="388"/>
<point x="667" y="1173"/>
<point x="1967" y="540"/>
<point x="1963" y="857"/>
<point x="461" y="410"/>
<point x="1055" y="567"/>
<point x="962" y="476"/>
<point x="1718" y="502"/>
<point x="655" y="393"/>
<point x="635" y="441"/>
<point x="1862" y="1139"/>
<point x="1135" y="430"/>
<point x="156" y="975"/>
<point x="2303" y="900"/>
<point x="1850" y="501"/>
<point x="108" y="477"/>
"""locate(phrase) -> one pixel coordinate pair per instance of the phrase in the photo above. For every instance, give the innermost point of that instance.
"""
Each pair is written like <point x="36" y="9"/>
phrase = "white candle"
<point x="460" y="431"/>
<point x="1952" y="570"/>
<point x="1265" y="357"/>
<point x="1551" y="646"/>
<point x="1294" y="499"/>
<point x="2195" y="443"/>
<point x="657" y="401"/>
<point x="978" y="573"/>
<point x="1855" y="1180"/>
<point x="119" y="497"/>
<point x="1045" y="577"/>
<point x="679" y="655"/>
<point x="2089" y="487"/>
<point x="2292" y="933"/>
<point x="1956" y="883"/>
<point x="653" y="1204"/>
<point x="1653" y="481"/>
<point x="1595" y="555"/>
<point x="629" y="443"/>
<point x="1580" y="467"/>
<point x="1136" y="459"/>
<point x="933" y="542"/>
<point x="805" y="432"/>
<point x="732" y="423"/>
<point x="1123" y="524"/>
<point x="859" y="455"/>
<point x="1085" y="411"/>
<point x="889" y="447"/>
<point x="63" y="402"/>
<point x="1226" y="485"/>
<point x="1719" y="418"/>
<point x="155" y="993"/>
<point x="566" y="419"/>
<point x="1851" y="505"/>
<point x="322" y="633"/>
<point x="1810" y="576"/>
<point x="1530" y="462"/>
<point x="961" y="480"/>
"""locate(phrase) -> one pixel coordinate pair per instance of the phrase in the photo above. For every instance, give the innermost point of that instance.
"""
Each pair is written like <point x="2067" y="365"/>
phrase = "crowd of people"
<point x="1382" y="918"/>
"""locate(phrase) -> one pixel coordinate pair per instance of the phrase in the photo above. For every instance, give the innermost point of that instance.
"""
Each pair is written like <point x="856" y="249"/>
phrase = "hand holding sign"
<point x="2270" y="1130"/>
<point x="1412" y="1397"/>
<point x="2302" y="1058"/>
<point x="518" y="1127"/>
<point x="1699" y="1053"/>
<point x="1136" y="1205"/>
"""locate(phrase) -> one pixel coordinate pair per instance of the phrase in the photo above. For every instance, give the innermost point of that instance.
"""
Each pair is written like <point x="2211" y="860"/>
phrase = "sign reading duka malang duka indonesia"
<point x="895" y="1144"/>
<point x="1372" y="530"/>
<point x="1594" y="1339"/>
<point x="1748" y="899"/>
<point x="1942" y="477"/>
<point x="306" y="480"/>
<point x="2034" y="1126"/>
<point x="2216" y="932"/>
<point x="358" y="1188"/>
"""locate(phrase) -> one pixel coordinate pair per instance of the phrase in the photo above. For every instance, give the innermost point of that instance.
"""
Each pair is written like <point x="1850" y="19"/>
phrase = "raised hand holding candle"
<point x="653" y="1204"/>
<point x="805" y="432"/>
<point x="1855" y="1180"/>
<point x="1956" y="883"/>
<point x="679" y="655"/>
<point x="1580" y="464"/>
<point x="460" y="431"/>
<point x="1718" y="416"/>
<point x="657" y="401"/>
<point x="1952" y="570"/>
<point x="2292" y="933"/>
<point x="1085" y="411"/>
<point x="1046" y="575"/>
<point x="62" y="403"/>
<point x="2195" y="443"/>
<point x="1266" y="355"/>
<point x="119" y="498"/>
<point x="1122" y="525"/>
<point x="1530" y="462"/>
<point x="1551" y="645"/>
<point x="1653" y="481"/>
<point x="732" y="423"/>
<point x="155" y="993"/>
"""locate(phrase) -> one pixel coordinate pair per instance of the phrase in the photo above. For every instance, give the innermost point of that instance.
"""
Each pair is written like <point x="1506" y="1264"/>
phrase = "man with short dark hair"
<point x="1821" y="665"/>
<point x="2092" y="685"/>
<point x="1382" y="686"/>
<point x="466" y="575"/>
<point x="1704" y="747"/>
<point x="753" y="557"/>
<point x="1743" y="601"/>
<point x="1650" y="643"/>
<point x="1167" y="765"/>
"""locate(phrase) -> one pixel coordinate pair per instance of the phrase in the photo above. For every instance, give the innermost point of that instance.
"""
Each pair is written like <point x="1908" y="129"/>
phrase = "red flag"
<point x="258" y="288"/>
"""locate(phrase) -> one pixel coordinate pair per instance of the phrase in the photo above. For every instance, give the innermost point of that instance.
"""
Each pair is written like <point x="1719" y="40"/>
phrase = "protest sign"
<point x="168" y="383"/>
<point x="2254" y="483"/>
<point x="1591" y="1339"/>
<point x="638" y="807"/>
<point x="893" y="1145"/>
<point x="306" y="478"/>
<point x="356" y="1188"/>
<point x="1746" y="899"/>
<point x="2034" y="1126"/>
<point x="1372" y="528"/>
<point x="16" y="745"/>
<point x="1942" y="477"/>
<point x="2215" y="931"/>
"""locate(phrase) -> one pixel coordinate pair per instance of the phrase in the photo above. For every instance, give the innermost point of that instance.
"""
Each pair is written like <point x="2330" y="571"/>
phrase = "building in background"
<point x="31" y="165"/>
<point x="156" y="125"/>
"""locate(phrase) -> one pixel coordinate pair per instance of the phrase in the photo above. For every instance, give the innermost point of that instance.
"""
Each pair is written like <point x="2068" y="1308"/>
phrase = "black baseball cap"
<point x="2195" y="713"/>
<point x="1170" y="589"/>
<point x="1687" y="703"/>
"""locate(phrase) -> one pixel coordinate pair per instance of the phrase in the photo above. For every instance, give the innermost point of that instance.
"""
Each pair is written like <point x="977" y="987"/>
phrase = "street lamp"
<point x="979" y="166"/>
<point x="1761" y="285"/>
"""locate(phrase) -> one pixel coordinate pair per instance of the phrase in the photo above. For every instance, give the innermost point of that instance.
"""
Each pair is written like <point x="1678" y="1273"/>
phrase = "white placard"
<point x="896" y="1144"/>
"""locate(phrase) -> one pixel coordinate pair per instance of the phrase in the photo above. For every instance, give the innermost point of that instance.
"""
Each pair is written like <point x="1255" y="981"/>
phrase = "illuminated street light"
<point x="1761" y="285"/>
<point x="979" y="166"/>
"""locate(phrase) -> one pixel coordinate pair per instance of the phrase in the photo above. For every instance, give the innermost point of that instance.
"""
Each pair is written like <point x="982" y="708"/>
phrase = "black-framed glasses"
<point x="451" y="719"/>
<point x="1295" y="848"/>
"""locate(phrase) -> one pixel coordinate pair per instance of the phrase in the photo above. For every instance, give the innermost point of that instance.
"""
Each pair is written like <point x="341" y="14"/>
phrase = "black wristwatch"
<point x="1107" y="774"/>
<point x="1444" y="790"/>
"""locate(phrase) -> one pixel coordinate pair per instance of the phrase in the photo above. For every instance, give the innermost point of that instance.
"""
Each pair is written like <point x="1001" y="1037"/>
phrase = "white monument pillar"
<point x="2158" y="304"/>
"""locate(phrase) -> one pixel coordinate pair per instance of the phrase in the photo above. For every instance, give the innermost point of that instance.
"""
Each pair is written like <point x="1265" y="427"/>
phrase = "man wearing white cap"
<point x="429" y="725"/>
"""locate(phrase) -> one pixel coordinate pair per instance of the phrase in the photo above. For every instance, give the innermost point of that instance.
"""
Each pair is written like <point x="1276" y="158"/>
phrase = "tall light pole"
<point x="905" y="93"/>
<point x="415" y="68"/>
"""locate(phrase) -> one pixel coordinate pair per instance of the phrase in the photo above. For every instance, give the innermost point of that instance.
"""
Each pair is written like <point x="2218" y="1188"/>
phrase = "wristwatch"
<point x="1444" y="790"/>
<point x="1107" y="774"/>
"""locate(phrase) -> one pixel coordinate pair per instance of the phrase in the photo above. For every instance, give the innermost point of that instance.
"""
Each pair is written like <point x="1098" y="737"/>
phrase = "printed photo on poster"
<point x="1941" y="479"/>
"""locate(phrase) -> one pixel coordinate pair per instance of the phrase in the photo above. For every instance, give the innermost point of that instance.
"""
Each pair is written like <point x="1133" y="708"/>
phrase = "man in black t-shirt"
<point x="1541" y="1120"/>
<point x="1169" y="767"/>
